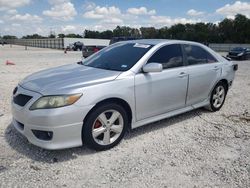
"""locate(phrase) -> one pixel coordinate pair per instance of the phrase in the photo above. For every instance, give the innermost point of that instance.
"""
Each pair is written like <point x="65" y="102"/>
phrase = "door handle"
<point x="182" y="74"/>
<point x="216" y="68"/>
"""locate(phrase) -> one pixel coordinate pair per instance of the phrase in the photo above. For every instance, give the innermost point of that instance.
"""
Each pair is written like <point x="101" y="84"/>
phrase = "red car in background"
<point x="89" y="50"/>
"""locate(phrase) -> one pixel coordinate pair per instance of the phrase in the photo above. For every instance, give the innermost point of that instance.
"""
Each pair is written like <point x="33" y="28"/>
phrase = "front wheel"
<point x="105" y="126"/>
<point x="217" y="97"/>
<point x="244" y="57"/>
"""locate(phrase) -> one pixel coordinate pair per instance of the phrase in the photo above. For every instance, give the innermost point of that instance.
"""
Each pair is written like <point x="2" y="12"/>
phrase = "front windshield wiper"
<point x="99" y="66"/>
<point x="103" y="67"/>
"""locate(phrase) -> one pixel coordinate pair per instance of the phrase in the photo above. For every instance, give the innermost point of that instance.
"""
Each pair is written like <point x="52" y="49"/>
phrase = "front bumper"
<point x="65" y="123"/>
<point x="234" y="56"/>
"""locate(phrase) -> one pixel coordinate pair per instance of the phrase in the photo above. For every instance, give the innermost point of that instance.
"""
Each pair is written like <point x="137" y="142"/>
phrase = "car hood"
<point x="68" y="77"/>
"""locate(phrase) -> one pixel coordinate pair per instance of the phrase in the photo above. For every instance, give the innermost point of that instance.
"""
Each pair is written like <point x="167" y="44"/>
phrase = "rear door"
<point x="161" y="92"/>
<point x="204" y="71"/>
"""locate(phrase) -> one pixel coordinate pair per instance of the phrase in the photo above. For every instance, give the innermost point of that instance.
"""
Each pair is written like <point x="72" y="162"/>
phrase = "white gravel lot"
<point x="195" y="149"/>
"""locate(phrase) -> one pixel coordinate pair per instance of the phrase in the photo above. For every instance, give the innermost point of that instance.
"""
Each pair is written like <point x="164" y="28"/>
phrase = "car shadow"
<point x="19" y="143"/>
<point x="164" y="123"/>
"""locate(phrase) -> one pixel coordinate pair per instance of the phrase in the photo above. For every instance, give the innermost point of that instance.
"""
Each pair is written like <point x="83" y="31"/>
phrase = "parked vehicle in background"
<point x="123" y="86"/>
<point x="77" y="46"/>
<point x="239" y="53"/>
<point x="119" y="39"/>
<point x="70" y="47"/>
<point x="89" y="50"/>
<point x="2" y="42"/>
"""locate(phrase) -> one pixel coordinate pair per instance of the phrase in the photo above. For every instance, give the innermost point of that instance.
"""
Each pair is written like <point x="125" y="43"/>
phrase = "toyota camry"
<point x="123" y="86"/>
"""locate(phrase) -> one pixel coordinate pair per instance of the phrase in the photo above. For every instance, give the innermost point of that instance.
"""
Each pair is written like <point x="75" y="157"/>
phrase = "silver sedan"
<point x="123" y="86"/>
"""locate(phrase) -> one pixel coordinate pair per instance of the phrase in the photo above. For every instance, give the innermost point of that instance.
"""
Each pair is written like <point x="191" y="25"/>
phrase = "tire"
<point x="245" y="57"/>
<point x="101" y="131"/>
<point x="242" y="58"/>
<point x="217" y="95"/>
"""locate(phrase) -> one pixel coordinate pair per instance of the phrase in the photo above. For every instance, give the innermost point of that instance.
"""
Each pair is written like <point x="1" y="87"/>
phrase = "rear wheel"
<point x="105" y="126"/>
<point x="218" y="97"/>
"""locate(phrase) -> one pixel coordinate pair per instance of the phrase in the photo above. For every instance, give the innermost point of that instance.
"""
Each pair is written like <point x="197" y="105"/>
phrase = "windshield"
<point x="118" y="57"/>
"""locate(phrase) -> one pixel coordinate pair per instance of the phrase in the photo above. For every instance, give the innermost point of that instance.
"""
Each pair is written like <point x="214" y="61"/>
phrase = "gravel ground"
<point x="195" y="149"/>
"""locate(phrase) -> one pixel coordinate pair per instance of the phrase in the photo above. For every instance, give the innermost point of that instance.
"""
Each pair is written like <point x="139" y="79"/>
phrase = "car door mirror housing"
<point x="152" y="67"/>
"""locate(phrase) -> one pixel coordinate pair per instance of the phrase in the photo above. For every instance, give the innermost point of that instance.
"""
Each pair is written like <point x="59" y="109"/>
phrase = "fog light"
<point x="43" y="135"/>
<point x="15" y="90"/>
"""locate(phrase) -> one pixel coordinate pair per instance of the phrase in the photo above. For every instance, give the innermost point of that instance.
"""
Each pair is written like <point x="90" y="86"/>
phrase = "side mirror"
<point x="152" y="67"/>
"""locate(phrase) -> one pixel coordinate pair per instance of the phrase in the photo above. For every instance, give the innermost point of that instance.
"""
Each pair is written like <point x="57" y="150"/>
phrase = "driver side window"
<point x="169" y="56"/>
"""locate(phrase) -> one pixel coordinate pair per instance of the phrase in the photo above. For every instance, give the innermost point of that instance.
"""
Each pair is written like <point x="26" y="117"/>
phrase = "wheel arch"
<point x="225" y="82"/>
<point x="115" y="100"/>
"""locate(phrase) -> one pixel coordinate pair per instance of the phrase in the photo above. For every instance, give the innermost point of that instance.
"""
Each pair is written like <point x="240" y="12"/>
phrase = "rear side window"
<point x="197" y="55"/>
<point x="169" y="56"/>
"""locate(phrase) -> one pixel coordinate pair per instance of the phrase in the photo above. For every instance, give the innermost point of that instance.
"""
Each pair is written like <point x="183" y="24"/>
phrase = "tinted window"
<point x="169" y="56"/>
<point x="238" y="49"/>
<point x="197" y="55"/>
<point x="120" y="57"/>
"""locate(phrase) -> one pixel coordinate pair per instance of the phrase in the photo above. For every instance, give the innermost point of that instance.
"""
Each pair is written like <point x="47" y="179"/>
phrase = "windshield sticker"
<point x="137" y="45"/>
<point x="124" y="66"/>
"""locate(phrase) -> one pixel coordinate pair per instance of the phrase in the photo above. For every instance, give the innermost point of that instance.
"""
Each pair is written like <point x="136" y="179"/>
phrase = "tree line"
<point x="235" y="30"/>
<point x="227" y="31"/>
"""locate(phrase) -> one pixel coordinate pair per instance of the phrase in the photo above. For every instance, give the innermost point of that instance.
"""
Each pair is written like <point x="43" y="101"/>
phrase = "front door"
<point x="161" y="92"/>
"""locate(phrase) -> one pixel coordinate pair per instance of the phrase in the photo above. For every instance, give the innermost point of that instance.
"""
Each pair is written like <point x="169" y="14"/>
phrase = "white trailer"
<point x="86" y="42"/>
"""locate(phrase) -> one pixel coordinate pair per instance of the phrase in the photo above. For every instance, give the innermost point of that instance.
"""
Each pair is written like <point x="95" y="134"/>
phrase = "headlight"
<point x="240" y="54"/>
<point x="48" y="102"/>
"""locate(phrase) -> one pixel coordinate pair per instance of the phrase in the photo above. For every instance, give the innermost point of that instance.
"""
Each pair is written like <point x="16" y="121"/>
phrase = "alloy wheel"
<point x="107" y="127"/>
<point x="218" y="96"/>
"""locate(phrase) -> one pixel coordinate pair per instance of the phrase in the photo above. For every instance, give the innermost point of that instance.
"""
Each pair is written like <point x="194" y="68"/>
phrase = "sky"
<point x="23" y="17"/>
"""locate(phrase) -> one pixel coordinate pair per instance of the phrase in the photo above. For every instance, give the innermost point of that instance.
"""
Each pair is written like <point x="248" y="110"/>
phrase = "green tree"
<point x="149" y="32"/>
<point x="52" y="36"/>
<point x="72" y="35"/>
<point x="108" y="34"/>
<point x="34" y="36"/>
<point x="177" y="31"/>
<point x="61" y="35"/>
<point x="163" y="33"/>
<point x="5" y="37"/>
<point x="226" y="30"/>
<point x="91" y="34"/>
<point x="241" y="29"/>
<point x="122" y="31"/>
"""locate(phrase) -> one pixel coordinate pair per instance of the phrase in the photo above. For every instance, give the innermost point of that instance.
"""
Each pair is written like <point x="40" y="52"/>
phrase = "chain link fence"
<point x="57" y="43"/>
<point x="226" y="47"/>
<point x="60" y="43"/>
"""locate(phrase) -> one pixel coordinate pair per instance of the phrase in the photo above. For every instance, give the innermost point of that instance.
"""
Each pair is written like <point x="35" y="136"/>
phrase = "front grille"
<point x="21" y="99"/>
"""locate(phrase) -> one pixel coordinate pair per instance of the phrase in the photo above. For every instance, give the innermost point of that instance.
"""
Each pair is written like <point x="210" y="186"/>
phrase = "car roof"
<point x="158" y="41"/>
